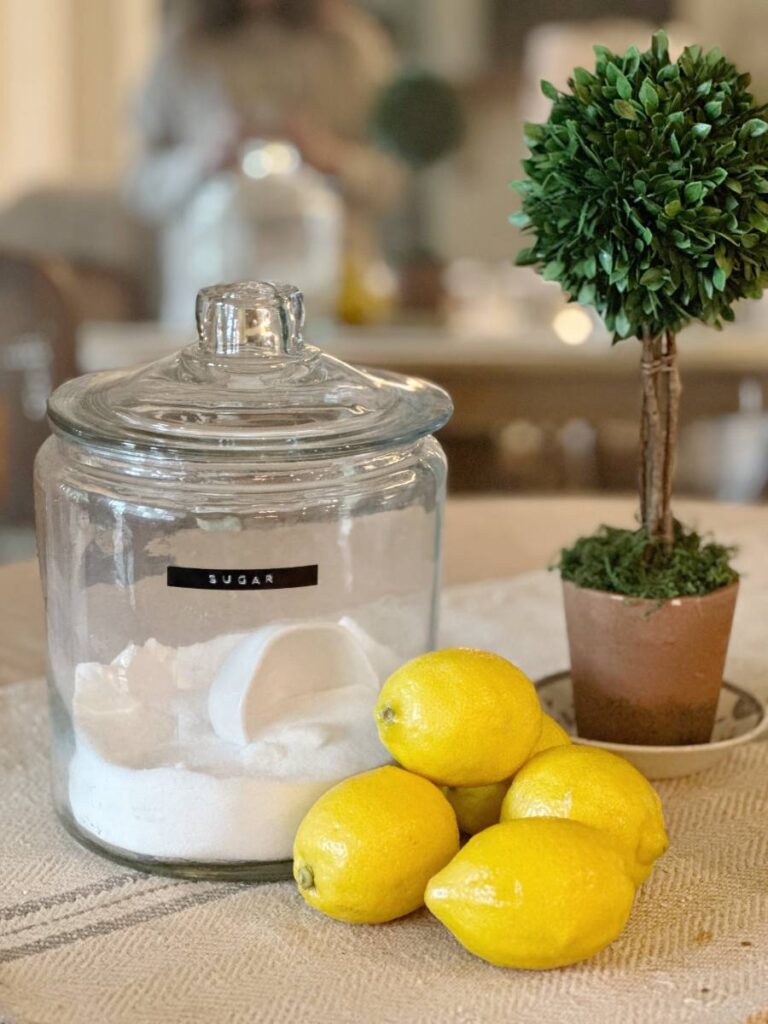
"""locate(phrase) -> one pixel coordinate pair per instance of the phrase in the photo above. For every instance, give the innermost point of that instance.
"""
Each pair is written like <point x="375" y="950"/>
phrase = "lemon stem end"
<point x="305" y="878"/>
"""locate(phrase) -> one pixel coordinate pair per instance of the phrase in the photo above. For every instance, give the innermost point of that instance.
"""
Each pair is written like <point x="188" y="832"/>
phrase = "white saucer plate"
<point x="741" y="717"/>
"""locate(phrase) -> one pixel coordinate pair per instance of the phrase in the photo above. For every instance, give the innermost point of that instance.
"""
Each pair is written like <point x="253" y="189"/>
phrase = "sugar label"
<point x="242" y="579"/>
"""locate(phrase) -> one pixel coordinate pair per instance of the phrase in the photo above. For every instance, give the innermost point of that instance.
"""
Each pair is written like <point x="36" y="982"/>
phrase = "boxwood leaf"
<point x="694" y="190"/>
<point x="606" y="260"/>
<point x="623" y="88"/>
<point x="660" y="46"/>
<point x="526" y="258"/>
<point x="553" y="270"/>
<point x="669" y="73"/>
<point x="653" y="278"/>
<point x="582" y="77"/>
<point x="625" y="109"/>
<point x="548" y="89"/>
<point x="622" y="324"/>
<point x="755" y="127"/>
<point x="649" y="97"/>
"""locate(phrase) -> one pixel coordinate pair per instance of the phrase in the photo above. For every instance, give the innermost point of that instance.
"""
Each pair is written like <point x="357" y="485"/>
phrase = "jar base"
<point x="241" y="871"/>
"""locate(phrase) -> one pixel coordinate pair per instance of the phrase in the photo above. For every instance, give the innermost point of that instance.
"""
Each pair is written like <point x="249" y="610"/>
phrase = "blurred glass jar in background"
<point x="238" y="544"/>
<point x="270" y="218"/>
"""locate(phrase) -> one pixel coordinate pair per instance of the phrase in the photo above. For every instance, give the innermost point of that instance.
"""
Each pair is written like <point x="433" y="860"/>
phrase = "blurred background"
<point x="361" y="150"/>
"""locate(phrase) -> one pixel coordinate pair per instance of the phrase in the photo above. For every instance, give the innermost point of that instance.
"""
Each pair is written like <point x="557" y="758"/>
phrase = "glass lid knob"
<point x="251" y="319"/>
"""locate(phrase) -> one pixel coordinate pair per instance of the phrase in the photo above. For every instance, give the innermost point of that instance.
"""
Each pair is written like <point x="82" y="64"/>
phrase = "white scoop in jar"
<point x="279" y="673"/>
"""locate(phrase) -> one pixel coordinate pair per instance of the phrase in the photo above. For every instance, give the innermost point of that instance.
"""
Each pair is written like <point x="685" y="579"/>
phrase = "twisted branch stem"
<point x="658" y="434"/>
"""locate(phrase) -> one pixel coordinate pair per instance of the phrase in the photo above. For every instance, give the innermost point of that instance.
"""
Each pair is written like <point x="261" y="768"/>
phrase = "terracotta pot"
<point x="644" y="672"/>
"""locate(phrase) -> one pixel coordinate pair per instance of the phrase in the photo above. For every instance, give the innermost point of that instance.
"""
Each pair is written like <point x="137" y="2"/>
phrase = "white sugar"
<point x="151" y="776"/>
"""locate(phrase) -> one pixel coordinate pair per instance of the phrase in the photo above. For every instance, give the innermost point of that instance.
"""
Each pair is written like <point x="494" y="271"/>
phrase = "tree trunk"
<point x="658" y="434"/>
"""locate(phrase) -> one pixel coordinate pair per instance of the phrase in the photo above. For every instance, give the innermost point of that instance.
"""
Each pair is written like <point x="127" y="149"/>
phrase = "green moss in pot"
<point x="646" y="195"/>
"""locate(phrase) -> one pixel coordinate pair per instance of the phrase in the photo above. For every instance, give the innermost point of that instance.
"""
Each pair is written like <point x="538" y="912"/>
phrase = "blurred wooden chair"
<point x="96" y="292"/>
<point x="37" y="352"/>
<point x="42" y="301"/>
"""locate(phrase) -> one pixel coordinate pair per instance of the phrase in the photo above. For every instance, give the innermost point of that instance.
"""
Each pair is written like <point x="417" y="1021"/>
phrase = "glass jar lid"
<point x="251" y="386"/>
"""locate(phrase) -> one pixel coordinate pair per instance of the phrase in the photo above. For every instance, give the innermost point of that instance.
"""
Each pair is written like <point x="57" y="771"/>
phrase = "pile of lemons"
<point x="561" y="835"/>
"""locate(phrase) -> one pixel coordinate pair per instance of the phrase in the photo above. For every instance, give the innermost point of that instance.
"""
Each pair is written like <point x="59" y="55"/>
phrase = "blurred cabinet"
<point x="532" y="413"/>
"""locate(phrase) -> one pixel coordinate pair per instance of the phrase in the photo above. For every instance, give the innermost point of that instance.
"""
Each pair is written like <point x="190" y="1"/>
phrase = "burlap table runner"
<point x="83" y="940"/>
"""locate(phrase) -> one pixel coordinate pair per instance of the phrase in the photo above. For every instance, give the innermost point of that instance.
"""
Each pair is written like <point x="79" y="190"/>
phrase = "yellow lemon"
<point x="366" y="849"/>
<point x="477" y="807"/>
<point x="597" y="788"/>
<point x="459" y="717"/>
<point x="534" y="893"/>
<point x="552" y="735"/>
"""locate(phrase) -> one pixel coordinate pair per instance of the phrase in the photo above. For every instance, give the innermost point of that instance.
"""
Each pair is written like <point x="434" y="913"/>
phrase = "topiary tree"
<point x="419" y="118"/>
<point x="647" y="196"/>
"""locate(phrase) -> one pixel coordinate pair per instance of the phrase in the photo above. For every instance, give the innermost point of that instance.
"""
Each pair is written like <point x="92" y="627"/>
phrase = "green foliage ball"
<point x="419" y="118"/>
<point x="647" y="189"/>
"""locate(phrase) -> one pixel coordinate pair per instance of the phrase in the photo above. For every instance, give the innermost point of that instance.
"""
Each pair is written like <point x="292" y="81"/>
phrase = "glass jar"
<point x="238" y="544"/>
<point x="271" y="216"/>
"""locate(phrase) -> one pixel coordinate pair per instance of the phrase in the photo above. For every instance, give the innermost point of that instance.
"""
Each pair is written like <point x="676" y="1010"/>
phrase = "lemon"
<point x="597" y="788"/>
<point x="534" y="893"/>
<point x="459" y="717"/>
<point x="552" y="735"/>
<point x="477" y="807"/>
<point x="366" y="849"/>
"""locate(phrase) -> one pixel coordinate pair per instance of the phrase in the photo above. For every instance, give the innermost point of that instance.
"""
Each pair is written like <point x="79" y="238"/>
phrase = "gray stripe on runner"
<point x="141" y="916"/>
<point x="44" y="902"/>
<point x="91" y="908"/>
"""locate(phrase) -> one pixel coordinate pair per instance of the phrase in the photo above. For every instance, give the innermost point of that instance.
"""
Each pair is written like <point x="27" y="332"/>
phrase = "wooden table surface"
<point x="485" y="538"/>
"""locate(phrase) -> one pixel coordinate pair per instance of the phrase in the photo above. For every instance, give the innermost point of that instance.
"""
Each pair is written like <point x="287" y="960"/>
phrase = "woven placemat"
<point x="83" y="940"/>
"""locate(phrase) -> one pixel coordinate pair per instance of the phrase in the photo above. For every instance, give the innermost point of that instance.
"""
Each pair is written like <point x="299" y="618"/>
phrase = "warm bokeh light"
<point x="573" y="325"/>
<point x="264" y="158"/>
